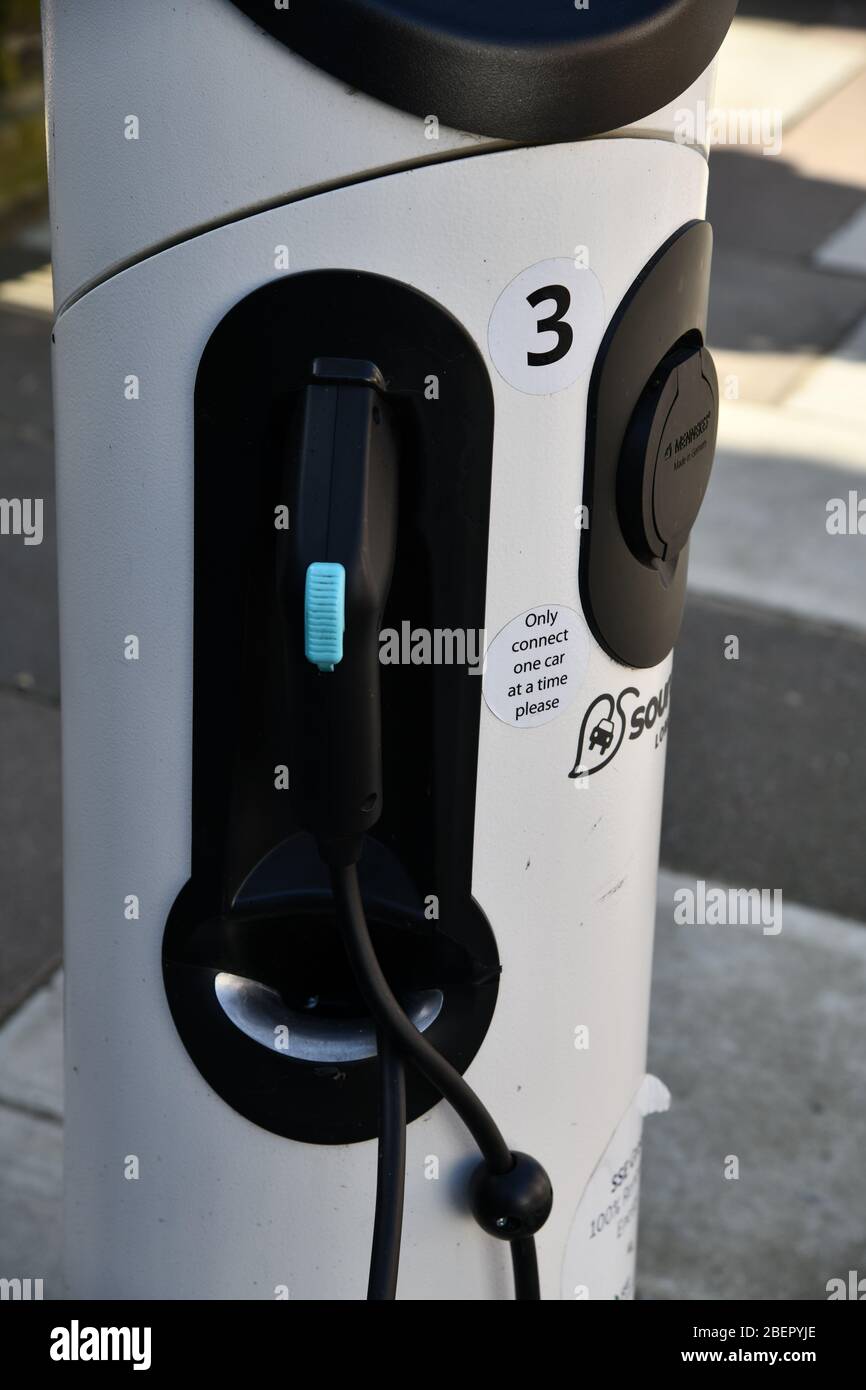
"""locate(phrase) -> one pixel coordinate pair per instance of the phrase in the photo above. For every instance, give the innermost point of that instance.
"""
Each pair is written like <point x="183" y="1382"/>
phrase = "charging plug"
<point x="334" y="587"/>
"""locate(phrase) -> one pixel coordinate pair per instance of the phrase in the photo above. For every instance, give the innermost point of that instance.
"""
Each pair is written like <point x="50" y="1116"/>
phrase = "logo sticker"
<point x="607" y="721"/>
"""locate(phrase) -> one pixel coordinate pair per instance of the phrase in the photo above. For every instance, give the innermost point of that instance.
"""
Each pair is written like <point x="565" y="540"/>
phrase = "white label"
<point x="600" y="1257"/>
<point x="546" y="326"/>
<point x="535" y="666"/>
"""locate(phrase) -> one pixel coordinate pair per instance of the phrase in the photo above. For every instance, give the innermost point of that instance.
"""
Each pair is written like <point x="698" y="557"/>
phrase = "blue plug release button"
<point x="324" y="614"/>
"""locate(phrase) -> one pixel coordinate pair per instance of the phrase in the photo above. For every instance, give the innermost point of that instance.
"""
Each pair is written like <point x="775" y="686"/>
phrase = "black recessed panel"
<point x="632" y="579"/>
<point x="528" y="70"/>
<point x="258" y="904"/>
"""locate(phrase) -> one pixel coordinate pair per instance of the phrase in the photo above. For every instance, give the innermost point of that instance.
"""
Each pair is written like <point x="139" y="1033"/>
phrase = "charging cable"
<point x="342" y="558"/>
<point x="510" y="1193"/>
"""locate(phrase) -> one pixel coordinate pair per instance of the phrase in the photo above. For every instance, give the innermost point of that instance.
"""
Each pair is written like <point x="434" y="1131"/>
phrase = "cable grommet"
<point x="514" y="1204"/>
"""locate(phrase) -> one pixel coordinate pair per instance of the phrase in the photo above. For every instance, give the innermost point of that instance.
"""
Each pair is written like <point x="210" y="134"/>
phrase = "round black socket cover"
<point x="668" y="455"/>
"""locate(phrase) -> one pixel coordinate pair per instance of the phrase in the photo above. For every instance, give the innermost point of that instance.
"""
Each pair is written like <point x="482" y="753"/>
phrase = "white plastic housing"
<point x="565" y="872"/>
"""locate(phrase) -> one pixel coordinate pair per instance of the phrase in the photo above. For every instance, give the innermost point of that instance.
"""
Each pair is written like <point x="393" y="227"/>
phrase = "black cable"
<point x="390" y="1173"/>
<point x="524" y="1262"/>
<point x="389" y="1015"/>
<point x="391" y="1020"/>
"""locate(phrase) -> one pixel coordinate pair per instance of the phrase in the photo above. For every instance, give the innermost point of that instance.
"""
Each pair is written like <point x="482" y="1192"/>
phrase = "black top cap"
<point x="524" y="70"/>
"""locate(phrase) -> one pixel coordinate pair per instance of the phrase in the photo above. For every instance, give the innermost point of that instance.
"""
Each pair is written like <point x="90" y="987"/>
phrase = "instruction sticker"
<point x="546" y="326"/>
<point x="600" y="1258"/>
<point x="535" y="666"/>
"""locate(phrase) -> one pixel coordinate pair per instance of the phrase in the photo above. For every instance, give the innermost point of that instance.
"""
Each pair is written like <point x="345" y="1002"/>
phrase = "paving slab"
<point x="845" y="249"/>
<point x="762" y="538"/>
<point x="766" y="770"/>
<point x="785" y="67"/>
<point x="31" y="1108"/>
<point x="36" y="236"/>
<point x="30" y="875"/>
<point x="770" y="206"/>
<point x="828" y="144"/>
<point x="28" y="573"/>
<point x="31" y="1060"/>
<point x="25" y="369"/>
<point x="31" y="292"/>
<point x="763" y="431"/>
<point x="763" y="378"/>
<point x="762" y="1042"/>
<point x="835" y="388"/>
<point x="28" y="618"/>
<point x="762" y="303"/>
<point x="843" y="14"/>
<point x="17" y="258"/>
<point x="31" y="1159"/>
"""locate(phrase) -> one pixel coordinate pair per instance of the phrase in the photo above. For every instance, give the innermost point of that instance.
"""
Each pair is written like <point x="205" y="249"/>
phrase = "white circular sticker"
<point x="535" y="666"/>
<point x="546" y="326"/>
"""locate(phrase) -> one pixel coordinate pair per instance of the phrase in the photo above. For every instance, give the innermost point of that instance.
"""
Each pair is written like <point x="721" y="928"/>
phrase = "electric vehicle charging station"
<point x="279" y="259"/>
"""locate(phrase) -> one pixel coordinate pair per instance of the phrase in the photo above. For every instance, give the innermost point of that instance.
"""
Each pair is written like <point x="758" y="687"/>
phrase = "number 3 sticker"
<point x="546" y="327"/>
